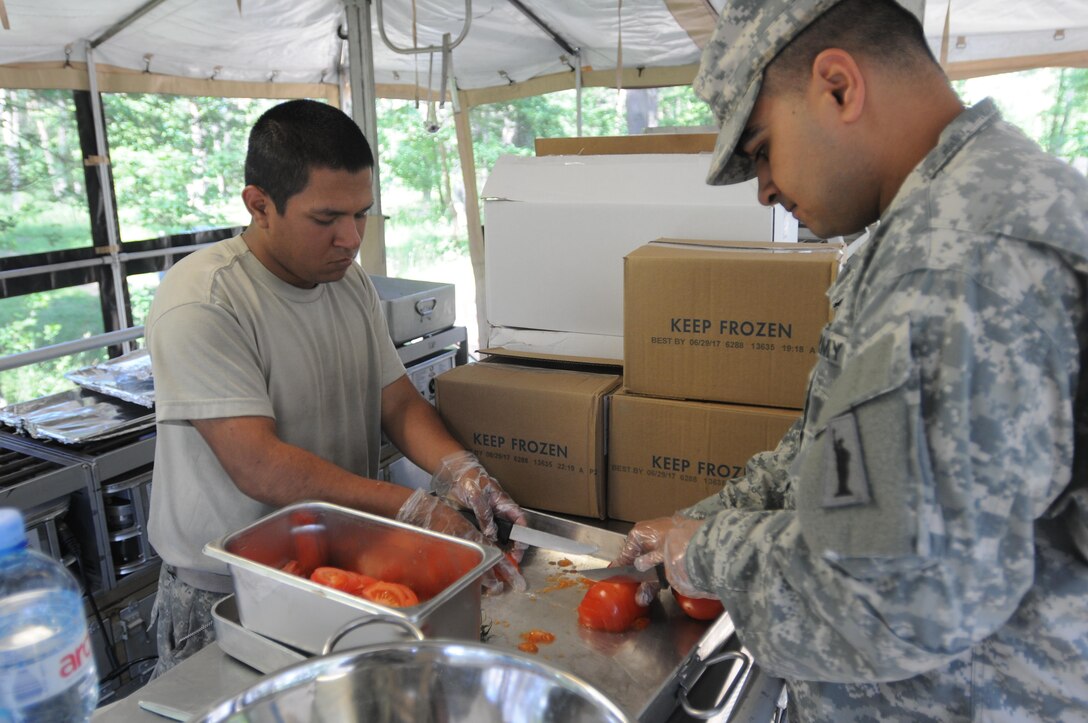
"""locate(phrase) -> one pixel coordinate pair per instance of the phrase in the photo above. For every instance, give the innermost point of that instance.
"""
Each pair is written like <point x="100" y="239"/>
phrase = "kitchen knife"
<point x="537" y="538"/>
<point x="628" y="573"/>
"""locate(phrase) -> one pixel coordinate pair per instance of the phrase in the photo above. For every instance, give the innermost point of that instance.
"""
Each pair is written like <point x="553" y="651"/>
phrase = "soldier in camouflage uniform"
<point x="915" y="549"/>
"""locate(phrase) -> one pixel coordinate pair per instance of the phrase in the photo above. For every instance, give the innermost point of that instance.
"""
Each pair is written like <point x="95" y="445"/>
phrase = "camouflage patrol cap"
<point x="749" y="35"/>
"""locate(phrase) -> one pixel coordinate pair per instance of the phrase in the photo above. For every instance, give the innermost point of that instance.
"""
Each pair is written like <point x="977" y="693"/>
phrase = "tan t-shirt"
<point x="228" y="338"/>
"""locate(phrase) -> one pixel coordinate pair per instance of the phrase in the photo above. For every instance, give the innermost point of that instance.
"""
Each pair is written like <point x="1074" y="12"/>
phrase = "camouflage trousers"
<point x="182" y="616"/>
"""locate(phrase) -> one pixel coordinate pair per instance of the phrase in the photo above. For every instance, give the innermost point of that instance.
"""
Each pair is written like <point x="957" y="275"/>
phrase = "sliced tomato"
<point x="345" y="580"/>
<point x="292" y="568"/>
<point x="700" y="608"/>
<point x="513" y="560"/>
<point x="610" y="606"/>
<point x="392" y="594"/>
<point x="310" y="548"/>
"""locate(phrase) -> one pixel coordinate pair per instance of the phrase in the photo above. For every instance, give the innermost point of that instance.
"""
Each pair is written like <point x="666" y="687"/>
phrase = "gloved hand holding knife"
<point x="463" y="482"/>
<point x="662" y="541"/>
<point x="424" y="509"/>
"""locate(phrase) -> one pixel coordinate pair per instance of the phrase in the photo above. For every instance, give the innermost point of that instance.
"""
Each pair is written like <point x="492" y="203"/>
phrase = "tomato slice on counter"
<point x="610" y="606"/>
<point x="345" y="580"/>
<point x="699" y="608"/>
<point x="392" y="594"/>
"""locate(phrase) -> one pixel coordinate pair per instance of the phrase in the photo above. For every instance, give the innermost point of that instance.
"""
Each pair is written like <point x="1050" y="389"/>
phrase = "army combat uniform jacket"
<point x="915" y="547"/>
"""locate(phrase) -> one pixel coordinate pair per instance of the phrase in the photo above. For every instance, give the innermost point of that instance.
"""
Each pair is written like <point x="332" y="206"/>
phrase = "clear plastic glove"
<point x="663" y="540"/>
<point x="643" y="540"/>
<point x="464" y="482"/>
<point x="674" y="556"/>
<point x="425" y="510"/>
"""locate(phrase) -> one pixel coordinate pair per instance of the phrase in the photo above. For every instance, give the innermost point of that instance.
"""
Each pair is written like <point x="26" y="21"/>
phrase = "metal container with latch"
<point x="415" y="308"/>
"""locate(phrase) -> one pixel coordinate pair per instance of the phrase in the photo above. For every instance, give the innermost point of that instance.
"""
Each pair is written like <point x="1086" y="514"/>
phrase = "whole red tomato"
<point x="700" y="608"/>
<point x="610" y="606"/>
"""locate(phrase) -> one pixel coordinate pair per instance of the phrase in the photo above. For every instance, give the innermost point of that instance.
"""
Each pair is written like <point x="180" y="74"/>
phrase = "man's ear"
<point x="258" y="204"/>
<point x="839" y="81"/>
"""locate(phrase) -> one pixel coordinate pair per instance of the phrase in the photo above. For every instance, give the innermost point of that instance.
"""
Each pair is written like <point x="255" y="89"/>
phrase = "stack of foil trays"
<point x="113" y="398"/>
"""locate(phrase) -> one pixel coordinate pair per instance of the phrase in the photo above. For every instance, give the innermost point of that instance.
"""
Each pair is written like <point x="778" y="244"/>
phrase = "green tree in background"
<point x="1066" y="121"/>
<point x="37" y="320"/>
<point x="43" y="203"/>
<point x="178" y="161"/>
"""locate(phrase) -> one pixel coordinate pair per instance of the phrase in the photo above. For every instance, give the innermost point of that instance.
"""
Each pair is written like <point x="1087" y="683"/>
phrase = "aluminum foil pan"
<point x="127" y="377"/>
<point x="76" y="416"/>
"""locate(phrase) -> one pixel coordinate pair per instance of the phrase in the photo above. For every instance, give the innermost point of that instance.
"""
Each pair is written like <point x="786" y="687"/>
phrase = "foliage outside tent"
<point x="177" y="166"/>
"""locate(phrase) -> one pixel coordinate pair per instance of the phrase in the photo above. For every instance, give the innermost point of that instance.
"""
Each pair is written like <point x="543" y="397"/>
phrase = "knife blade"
<point x="628" y="573"/>
<point x="537" y="538"/>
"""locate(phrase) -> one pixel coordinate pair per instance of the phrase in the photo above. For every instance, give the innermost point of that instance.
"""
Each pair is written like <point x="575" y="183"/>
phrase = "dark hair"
<point x="881" y="30"/>
<point x="293" y="137"/>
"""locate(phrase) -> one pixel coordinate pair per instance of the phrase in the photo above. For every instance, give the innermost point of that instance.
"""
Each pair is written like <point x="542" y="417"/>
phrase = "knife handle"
<point x="503" y="525"/>
<point x="661" y="578"/>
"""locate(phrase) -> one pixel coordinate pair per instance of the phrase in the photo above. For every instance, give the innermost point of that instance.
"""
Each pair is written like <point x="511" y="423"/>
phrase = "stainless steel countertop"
<point x="613" y="663"/>
<point x="191" y="686"/>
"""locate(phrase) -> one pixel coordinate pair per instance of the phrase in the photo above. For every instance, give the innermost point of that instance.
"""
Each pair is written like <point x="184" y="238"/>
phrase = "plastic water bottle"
<point x="47" y="670"/>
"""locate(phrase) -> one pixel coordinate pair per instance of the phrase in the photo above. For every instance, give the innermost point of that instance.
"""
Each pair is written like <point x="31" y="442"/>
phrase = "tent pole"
<point x="364" y="111"/>
<point x="126" y="21"/>
<point x="472" y="213"/>
<point x="103" y="165"/>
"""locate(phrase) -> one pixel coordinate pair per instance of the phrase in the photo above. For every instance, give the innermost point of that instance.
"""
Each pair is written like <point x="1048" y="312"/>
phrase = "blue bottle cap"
<point x="12" y="531"/>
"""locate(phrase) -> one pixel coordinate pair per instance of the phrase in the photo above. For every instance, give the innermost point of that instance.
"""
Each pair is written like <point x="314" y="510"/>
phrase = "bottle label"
<point x="31" y="682"/>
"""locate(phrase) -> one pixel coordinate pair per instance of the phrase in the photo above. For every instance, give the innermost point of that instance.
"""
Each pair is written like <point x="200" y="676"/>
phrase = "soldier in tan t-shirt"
<point x="275" y="377"/>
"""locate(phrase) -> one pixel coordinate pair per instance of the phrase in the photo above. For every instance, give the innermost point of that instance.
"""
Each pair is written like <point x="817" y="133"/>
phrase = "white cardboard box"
<point x="558" y="343"/>
<point x="557" y="229"/>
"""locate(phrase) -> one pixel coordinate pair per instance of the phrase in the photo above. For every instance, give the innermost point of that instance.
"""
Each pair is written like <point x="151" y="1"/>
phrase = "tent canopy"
<point x="511" y="48"/>
<point x="283" y="48"/>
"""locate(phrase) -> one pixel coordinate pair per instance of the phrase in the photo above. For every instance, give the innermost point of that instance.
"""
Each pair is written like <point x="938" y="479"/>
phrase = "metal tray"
<point x="643" y="670"/>
<point x="126" y="377"/>
<point x="444" y="570"/>
<point x="415" y="308"/>
<point x="76" y="416"/>
<point x="255" y="650"/>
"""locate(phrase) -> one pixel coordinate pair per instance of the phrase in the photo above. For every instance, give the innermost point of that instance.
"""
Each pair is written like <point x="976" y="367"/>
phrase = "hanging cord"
<point x="944" y="36"/>
<point x="619" y="46"/>
<point x="415" y="44"/>
<point x="69" y="542"/>
<point x="431" y="124"/>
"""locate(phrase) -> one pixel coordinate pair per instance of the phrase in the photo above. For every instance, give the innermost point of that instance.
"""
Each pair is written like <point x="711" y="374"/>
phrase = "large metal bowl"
<point x="417" y="682"/>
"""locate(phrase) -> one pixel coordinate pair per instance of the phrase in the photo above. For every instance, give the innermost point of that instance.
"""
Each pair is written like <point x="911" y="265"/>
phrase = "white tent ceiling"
<point x="296" y="41"/>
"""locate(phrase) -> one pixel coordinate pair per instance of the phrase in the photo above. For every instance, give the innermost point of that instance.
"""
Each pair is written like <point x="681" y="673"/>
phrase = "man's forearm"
<point x="276" y="473"/>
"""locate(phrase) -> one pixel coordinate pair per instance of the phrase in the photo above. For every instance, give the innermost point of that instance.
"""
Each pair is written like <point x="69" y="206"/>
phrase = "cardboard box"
<point x="540" y="431"/>
<point x="597" y="365"/>
<point x="558" y="227"/>
<point x="666" y="454"/>
<point x="725" y="322"/>
<point x="557" y="343"/>
<point x="626" y="145"/>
